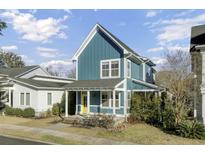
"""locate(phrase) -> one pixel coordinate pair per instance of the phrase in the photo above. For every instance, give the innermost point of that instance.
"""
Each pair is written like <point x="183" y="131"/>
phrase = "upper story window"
<point x="110" y="68"/>
<point x="129" y="69"/>
<point x="105" y="69"/>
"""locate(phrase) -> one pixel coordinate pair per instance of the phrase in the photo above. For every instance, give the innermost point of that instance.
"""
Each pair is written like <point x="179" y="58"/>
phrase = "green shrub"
<point x="56" y="110"/>
<point x="18" y="112"/>
<point x="9" y="110"/>
<point x="28" y="112"/>
<point x="191" y="129"/>
<point x="146" y="109"/>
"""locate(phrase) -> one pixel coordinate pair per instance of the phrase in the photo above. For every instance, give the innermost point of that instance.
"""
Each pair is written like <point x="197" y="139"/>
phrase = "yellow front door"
<point x="84" y="101"/>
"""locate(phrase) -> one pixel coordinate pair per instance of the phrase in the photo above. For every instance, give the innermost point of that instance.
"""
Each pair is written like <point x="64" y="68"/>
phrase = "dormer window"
<point x="110" y="68"/>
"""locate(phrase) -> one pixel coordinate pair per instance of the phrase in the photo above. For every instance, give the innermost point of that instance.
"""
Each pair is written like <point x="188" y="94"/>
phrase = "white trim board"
<point x="145" y="83"/>
<point x="110" y="68"/>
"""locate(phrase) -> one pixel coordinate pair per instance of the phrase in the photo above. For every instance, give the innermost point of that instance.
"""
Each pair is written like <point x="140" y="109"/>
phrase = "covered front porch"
<point x="98" y="97"/>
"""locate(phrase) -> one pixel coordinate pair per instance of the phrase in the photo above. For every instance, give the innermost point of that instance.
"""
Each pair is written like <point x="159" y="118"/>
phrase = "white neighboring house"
<point x="31" y="86"/>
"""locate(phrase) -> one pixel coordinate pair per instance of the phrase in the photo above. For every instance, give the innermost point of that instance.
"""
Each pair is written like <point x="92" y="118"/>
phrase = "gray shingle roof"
<point x="103" y="83"/>
<point x="40" y="84"/>
<point x="13" y="72"/>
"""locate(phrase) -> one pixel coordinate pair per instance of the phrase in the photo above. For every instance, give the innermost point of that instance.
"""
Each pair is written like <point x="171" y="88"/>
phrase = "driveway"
<point x="14" y="141"/>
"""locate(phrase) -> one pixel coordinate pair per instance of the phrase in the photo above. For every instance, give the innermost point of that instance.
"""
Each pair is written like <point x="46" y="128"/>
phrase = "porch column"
<point x="125" y="103"/>
<point x="9" y="97"/>
<point x="113" y="96"/>
<point x="88" y="101"/>
<point x="66" y="103"/>
<point x="76" y="109"/>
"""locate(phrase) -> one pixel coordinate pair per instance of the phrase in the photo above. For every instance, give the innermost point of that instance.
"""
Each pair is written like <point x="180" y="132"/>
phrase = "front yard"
<point x="138" y="133"/>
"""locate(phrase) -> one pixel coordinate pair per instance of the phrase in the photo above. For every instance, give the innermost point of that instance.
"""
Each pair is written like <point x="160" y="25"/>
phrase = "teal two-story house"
<point x="108" y="72"/>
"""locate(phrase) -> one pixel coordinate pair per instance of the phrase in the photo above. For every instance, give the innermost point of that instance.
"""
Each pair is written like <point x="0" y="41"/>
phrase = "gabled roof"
<point x="127" y="50"/>
<point x="39" y="84"/>
<point x="15" y="72"/>
<point x="118" y="42"/>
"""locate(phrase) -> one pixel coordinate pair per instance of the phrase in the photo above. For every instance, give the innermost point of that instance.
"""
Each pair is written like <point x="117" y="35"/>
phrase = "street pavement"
<point x="14" y="141"/>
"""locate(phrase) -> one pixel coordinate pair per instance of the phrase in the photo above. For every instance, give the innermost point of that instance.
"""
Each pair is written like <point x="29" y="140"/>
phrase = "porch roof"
<point x="102" y="84"/>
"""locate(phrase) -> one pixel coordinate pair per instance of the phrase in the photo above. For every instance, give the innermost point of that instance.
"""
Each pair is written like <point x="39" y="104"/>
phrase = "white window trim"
<point x="130" y="70"/>
<point x="51" y="98"/>
<point x="29" y="98"/>
<point x="110" y="100"/>
<point x="24" y="98"/>
<point x="110" y="62"/>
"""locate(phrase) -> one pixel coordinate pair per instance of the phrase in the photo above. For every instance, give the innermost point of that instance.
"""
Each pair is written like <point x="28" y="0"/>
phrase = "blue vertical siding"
<point x="94" y="98"/>
<point x="136" y="71"/>
<point x="99" y="48"/>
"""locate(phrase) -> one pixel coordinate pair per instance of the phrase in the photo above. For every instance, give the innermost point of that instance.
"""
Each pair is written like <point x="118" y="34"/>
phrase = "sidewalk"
<point x="70" y="136"/>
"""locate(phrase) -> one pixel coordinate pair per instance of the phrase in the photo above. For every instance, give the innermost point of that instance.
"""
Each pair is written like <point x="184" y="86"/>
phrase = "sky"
<point x="51" y="37"/>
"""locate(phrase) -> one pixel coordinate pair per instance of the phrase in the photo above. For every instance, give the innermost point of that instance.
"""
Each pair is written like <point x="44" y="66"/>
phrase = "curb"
<point x="27" y="139"/>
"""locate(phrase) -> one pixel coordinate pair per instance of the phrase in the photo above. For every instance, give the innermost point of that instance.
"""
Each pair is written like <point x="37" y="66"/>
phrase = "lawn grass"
<point x="139" y="133"/>
<point x="12" y="120"/>
<point x="43" y="138"/>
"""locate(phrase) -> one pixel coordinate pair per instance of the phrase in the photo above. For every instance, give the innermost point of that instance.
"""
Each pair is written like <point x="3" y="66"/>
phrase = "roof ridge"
<point x="118" y="40"/>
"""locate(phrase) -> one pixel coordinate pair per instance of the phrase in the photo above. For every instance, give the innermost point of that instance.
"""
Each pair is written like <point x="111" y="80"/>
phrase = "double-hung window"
<point x="107" y="99"/>
<point x="114" y="68"/>
<point x="128" y="68"/>
<point x="27" y="98"/>
<point x="110" y="68"/>
<point x="105" y="69"/>
<point x="49" y="98"/>
<point x="22" y="98"/>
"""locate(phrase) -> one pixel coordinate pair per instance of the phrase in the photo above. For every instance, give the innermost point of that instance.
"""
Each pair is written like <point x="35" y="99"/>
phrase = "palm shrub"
<point x="168" y="117"/>
<point x="191" y="129"/>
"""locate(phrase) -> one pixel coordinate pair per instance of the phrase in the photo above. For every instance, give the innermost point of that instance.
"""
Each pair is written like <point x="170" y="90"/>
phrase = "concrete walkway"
<point x="70" y="136"/>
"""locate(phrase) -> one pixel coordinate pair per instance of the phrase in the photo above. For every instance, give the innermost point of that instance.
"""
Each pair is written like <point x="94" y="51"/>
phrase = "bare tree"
<point x="176" y="75"/>
<point x="72" y="73"/>
<point x="51" y="71"/>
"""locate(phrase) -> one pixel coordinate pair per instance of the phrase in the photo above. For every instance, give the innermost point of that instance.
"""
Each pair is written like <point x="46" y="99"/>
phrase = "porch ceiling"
<point x="95" y="85"/>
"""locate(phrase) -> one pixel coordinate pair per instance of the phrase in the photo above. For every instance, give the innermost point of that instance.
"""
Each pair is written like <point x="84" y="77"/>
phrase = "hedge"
<point x="27" y="112"/>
